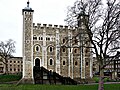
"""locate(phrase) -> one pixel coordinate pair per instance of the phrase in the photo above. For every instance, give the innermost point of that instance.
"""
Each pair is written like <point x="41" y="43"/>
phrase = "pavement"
<point x="104" y="83"/>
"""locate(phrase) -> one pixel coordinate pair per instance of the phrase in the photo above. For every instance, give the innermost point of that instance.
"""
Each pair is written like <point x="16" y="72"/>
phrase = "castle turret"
<point x="85" y="52"/>
<point x="27" y="13"/>
<point x="82" y="19"/>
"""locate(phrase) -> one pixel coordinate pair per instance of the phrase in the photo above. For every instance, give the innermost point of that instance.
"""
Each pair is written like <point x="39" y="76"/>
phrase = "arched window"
<point x="34" y="37"/>
<point x="86" y="63"/>
<point x="37" y="62"/>
<point x="75" y="50"/>
<point x="63" y="62"/>
<point x="76" y="63"/>
<point x="63" y="40"/>
<point x="51" y="62"/>
<point x="37" y="48"/>
<point x="41" y="38"/>
<point x="51" y="49"/>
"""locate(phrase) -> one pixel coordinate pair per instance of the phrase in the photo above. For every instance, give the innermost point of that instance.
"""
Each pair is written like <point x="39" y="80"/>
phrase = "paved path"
<point x="104" y="83"/>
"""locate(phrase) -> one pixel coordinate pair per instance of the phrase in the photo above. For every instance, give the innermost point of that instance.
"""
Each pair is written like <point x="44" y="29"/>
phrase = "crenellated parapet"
<point x="41" y="26"/>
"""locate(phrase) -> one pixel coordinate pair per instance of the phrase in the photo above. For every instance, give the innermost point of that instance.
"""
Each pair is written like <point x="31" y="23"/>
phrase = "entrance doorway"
<point x="37" y="62"/>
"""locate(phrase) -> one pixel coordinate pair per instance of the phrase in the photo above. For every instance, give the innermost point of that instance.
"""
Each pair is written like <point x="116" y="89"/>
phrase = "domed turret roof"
<point x="28" y="7"/>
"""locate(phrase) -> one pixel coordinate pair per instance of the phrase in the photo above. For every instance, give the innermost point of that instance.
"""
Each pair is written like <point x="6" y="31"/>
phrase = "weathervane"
<point x="28" y="3"/>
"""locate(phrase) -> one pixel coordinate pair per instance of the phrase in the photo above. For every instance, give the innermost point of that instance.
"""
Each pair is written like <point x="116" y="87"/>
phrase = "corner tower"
<point x="27" y="13"/>
<point x="85" y="50"/>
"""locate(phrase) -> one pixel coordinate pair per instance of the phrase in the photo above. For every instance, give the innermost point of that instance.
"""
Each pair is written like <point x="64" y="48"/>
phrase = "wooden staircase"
<point x="44" y="76"/>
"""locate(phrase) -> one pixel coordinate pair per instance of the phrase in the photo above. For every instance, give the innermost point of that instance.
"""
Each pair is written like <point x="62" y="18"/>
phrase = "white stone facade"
<point x="53" y="47"/>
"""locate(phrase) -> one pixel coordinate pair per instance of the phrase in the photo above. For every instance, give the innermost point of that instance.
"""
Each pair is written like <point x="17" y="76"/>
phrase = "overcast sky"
<point x="45" y="11"/>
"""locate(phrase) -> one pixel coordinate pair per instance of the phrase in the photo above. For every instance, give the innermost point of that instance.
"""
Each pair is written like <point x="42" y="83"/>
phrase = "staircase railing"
<point x="43" y="76"/>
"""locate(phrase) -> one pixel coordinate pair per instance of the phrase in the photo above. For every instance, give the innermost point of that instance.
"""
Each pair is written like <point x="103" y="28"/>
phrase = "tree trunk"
<point x="101" y="80"/>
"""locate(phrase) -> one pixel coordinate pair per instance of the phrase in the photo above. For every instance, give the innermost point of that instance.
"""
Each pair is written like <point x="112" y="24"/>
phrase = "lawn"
<point x="9" y="78"/>
<point x="57" y="87"/>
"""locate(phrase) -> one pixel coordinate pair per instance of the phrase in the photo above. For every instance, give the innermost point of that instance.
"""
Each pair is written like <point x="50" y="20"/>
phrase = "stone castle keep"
<point x="54" y="47"/>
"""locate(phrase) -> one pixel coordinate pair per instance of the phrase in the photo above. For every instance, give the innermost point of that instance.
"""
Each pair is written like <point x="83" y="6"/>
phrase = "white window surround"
<point x="37" y="48"/>
<point x="50" y="48"/>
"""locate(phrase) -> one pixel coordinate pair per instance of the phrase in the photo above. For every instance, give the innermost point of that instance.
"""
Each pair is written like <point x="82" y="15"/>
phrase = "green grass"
<point x="8" y="78"/>
<point x="58" y="87"/>
<point x="96" y="79"/>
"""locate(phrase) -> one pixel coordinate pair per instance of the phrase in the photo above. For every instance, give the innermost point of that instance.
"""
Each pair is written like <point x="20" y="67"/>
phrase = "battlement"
<point x="39" y="25"/>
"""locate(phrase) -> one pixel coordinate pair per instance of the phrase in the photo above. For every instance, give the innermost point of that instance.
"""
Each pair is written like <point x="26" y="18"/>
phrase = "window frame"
<point x="37" y="47"/>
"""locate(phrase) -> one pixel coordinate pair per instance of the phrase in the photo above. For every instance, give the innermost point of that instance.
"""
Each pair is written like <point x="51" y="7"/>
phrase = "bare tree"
<point x="102" y="27"/>
<point x="6" y="50"/>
